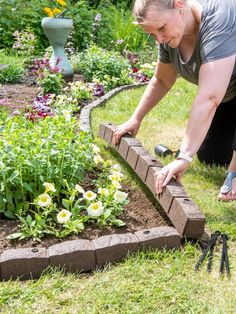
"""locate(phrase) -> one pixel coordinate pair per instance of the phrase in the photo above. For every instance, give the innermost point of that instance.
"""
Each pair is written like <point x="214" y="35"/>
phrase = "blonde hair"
<point x="141" y="7"/>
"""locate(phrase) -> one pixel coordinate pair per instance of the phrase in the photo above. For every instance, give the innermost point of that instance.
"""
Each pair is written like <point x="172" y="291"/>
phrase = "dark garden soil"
<point x="140" y="213"/>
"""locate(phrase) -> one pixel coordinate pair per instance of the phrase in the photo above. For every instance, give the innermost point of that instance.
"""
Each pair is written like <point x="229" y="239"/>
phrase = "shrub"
<point x="98" y="63"/>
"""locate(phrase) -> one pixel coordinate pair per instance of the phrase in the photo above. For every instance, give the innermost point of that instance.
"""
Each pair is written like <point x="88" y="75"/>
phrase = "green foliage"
<point x="79" y="208"/>
<point x="24" y="42"/>
<point x="50" y="150"/>
<point x="24" y="16"/>
<point x="12" y="69"/>
<point x="116" y="23"/>
<point x="51" y="82"/>
<point x="98" y="63"/>
<point x="80" y="90"/>
<point x="148" y="69"/>
<point x="11" y="74"/>
<point x="83" y="18"/>
<point x="122" y="29"/>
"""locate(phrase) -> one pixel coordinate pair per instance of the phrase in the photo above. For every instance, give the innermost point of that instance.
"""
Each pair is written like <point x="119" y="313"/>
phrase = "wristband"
<point x="185" y="157"/>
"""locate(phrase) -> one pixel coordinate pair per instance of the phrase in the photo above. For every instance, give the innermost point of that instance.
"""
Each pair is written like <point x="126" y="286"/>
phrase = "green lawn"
<point x="151" y="282"/>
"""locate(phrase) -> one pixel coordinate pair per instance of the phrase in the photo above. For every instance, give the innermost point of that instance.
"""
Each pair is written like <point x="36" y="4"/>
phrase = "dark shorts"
<point x="220" y="141"/>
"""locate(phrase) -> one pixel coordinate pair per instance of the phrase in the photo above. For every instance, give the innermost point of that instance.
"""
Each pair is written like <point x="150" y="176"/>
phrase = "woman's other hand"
<point x="131" y="126"/>
<point x="176" y="168"/>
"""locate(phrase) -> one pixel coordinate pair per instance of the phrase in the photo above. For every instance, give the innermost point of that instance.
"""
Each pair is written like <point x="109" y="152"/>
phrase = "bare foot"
<point x="228" y="190"/>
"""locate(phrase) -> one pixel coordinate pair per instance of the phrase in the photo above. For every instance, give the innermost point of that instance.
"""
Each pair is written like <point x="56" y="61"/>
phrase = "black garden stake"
<point x="224" y="255"/>
<point x="210" y="247"/>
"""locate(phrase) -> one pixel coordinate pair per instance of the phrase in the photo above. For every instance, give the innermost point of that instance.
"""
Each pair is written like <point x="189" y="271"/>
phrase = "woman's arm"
<point x="214" y="78"/>
<point x="161" y="82"/>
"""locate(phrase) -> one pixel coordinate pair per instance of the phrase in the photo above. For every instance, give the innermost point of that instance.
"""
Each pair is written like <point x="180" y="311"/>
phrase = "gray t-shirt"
<point x="216" y="40"/>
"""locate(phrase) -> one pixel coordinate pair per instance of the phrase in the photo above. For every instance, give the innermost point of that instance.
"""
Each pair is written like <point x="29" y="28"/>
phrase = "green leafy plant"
<point x="99" y="64"/>
<point x="80" y="90"/>
<point x="11" y="74"/>
<point x="148" y="69"/>
<point x="24" y="42"/>
<point x="11" y="69"/>
<point x="47" y="77"/>
<point x="51" y="83"/>
<point x="32" y="153"/>
<point x="78" y="208"/>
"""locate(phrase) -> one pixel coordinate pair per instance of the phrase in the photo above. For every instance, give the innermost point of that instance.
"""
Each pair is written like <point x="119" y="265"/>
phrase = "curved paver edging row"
<point x="184" y="214"/>
<point x="84" y="255"/>
<point x="179" y="207"/>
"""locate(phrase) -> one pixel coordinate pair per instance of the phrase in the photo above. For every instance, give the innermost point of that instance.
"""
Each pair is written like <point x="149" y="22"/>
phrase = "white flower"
<point x="120" y="196"/>
<point x="103" y="191"/>
<point x="44" y="200"/>
<point x="96" y="149"/>
<point x="116" y="185"/>
<point x="98" y="159"/>
<point x="116" y="176"/>
<point x="95" y="209"/>
<point x="63" y="216"/>
<point x="66" y="114"/>
<point x="49" y="187"/>
<point x="79" y="189"/>
<point x="89" y="195"/>
<point x="115" y="168"/>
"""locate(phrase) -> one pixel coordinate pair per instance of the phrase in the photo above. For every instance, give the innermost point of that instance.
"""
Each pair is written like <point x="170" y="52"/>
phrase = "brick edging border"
<point x="184" y="214"/>
<point x="179" y="207"/>
<point x="85" y="255"/>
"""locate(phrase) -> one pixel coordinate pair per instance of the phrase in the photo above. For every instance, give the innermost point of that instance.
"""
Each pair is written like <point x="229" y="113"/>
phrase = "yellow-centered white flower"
<point x="115" y="168"/>
<point x="98" y="159"/>
<point x="89" y="195"/>
<point x="96" y="149"/>
<point x="95" y="209"/>
<point x="120" y="196"/>
<point x="79" y="189"/>
<point x="49" y="187"/>
<point x="63" y="216"/>
<point x="103" y="191"/>
<point x="116" y="185"/>
<point x="66" y="114"/>
<point x="44" y="200"/>
<point x="116" y="176"/>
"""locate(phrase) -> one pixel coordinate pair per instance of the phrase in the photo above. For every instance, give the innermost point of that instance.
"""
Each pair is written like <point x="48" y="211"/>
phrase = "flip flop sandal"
<point x="227" y="187"/>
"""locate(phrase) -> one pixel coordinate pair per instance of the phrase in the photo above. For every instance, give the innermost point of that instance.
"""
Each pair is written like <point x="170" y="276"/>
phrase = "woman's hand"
<point x="131" y="126"/>
<point x="176" y="168"/>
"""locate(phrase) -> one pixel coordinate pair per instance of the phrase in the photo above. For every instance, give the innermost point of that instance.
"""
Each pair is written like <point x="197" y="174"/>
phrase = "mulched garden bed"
<point x="140" y="213"/>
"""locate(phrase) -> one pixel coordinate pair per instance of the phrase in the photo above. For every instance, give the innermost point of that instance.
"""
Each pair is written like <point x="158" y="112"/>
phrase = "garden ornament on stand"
<point x="57" y="30"/>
